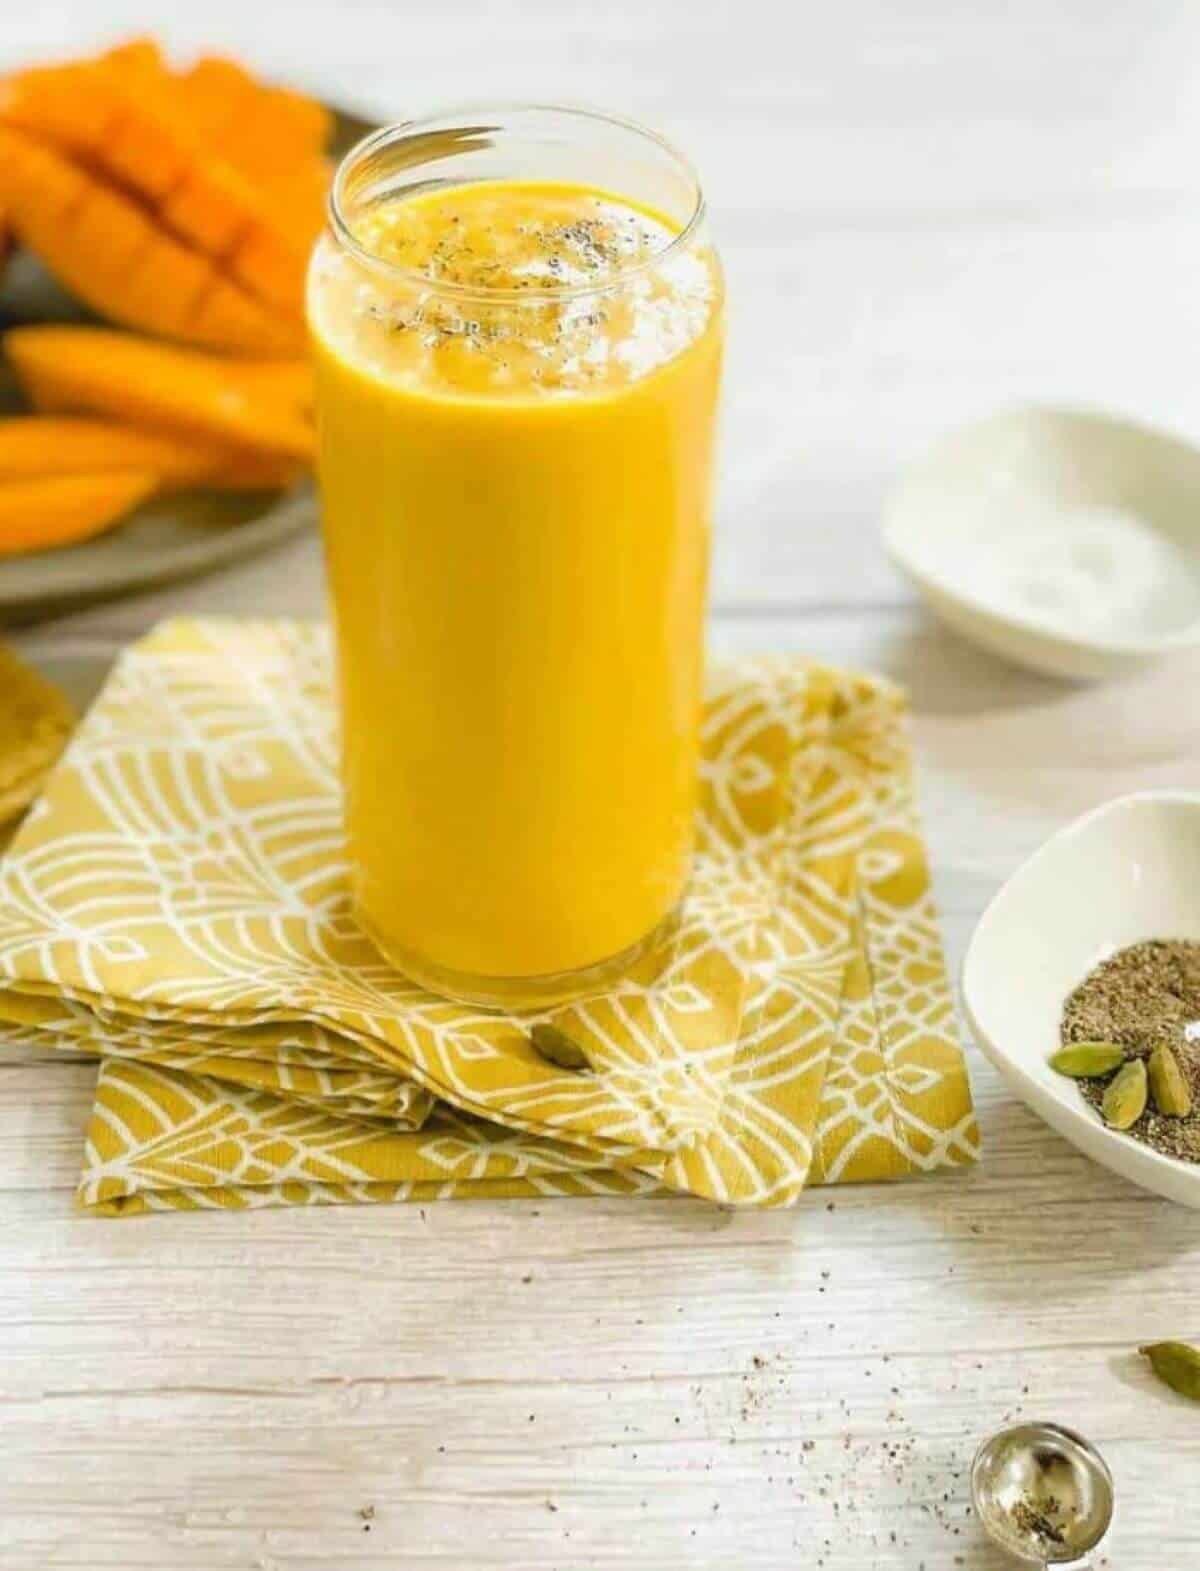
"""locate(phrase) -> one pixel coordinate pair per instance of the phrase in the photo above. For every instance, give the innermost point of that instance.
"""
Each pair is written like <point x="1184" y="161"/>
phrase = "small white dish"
<point x="1064" y="540"/>
<point x="1126" y="872"/>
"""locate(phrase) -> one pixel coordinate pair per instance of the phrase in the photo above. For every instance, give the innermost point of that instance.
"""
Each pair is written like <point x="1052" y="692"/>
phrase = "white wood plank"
<point x="44" y="1107"/>
<point x="889" y="1331"/>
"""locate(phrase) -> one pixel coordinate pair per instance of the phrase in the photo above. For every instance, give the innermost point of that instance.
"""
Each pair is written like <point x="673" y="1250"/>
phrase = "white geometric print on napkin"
<point x="177" y="901"/>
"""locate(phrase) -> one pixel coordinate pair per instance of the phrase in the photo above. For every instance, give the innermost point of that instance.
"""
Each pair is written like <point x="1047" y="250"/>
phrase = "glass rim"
<point x="477" y="109"/>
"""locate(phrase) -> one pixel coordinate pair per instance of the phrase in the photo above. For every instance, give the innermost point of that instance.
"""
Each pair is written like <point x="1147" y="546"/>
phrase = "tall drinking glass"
<point x="517" y="323"/>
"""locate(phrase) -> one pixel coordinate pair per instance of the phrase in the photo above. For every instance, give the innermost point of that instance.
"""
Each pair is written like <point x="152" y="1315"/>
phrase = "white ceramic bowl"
<point x="1064" y="540"/>
<point x="1126" y="872"/>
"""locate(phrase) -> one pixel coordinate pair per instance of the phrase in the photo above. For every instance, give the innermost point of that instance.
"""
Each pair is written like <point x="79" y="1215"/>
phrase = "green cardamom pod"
<point x="1088" y="1060"/>
<point x="1168" y="1084"/>
<point x="558" y="1048"/>
<point x="1125" y="1100"/>
<point x="1177" y="1364"/>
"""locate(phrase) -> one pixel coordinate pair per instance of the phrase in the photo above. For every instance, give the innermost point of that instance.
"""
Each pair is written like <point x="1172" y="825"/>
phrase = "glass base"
<point x="512" y="992"/>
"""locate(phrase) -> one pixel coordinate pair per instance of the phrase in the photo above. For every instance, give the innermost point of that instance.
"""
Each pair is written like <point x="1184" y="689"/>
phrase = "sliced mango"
<point x="37" y="515"/>
<point x="34" y="447"/>
<point x="159" y="386"/>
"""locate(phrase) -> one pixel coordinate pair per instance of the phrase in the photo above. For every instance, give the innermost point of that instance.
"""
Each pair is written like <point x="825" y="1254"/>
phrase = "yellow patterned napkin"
<point x="176" y="902"/>
<point x="35" y="720"/>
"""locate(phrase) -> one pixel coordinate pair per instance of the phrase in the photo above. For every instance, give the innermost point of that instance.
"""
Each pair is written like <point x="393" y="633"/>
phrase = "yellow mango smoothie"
<point x="517" y="385"/>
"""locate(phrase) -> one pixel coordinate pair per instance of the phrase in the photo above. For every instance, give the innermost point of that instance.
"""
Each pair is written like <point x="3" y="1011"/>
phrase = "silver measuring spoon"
<point x="1043" y="1493"/>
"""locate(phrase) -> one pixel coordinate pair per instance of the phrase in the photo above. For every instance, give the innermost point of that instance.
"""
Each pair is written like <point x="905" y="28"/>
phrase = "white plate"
<point x="1064" y="540"/>
<point x="1127" y="872"/>
<point x="168" y="540"/>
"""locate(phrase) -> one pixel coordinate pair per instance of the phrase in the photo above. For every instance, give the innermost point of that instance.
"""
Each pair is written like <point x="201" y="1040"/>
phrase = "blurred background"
<point x="927" y="209"/>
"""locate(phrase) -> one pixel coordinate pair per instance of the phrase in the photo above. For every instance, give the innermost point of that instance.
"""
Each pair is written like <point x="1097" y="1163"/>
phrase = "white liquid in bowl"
<point x="1088" y="570"/>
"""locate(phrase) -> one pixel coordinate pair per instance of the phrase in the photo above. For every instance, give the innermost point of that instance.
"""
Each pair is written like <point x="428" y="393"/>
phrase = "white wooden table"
<point x="926" y="211"/>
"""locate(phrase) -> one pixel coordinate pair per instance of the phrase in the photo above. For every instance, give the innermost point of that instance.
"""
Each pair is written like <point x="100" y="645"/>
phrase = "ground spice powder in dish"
<point x="1144" y="997"/>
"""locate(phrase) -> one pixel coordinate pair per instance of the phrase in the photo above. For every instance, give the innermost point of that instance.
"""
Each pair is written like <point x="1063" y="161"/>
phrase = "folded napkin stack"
<point x="176" y="903"/>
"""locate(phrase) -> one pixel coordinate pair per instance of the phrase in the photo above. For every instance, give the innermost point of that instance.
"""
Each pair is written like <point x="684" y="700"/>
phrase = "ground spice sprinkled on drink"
<point x="1145" y="1000"/>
